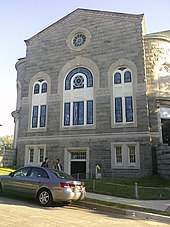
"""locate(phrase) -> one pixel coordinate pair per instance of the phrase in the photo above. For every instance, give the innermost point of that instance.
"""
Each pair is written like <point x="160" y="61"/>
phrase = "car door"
<point x="15" y="182"/>
<point x="34" y="180"/>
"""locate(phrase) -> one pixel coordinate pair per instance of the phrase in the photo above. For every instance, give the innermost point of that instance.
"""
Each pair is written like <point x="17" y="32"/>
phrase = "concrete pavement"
<point x="161" y="205"/>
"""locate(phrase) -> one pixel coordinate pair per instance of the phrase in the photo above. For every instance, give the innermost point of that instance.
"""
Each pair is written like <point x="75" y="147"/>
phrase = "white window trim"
<point x="36" y="157"/>
<point x="125" y="156"/>
<point x="122" y="62"/>
<point x="122" y="90"/>
<point x="34" y="99"/>
<point x="77" y="95"/>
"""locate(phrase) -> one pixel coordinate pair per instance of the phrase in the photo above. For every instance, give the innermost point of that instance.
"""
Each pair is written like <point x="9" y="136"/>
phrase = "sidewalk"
<point x="161" y="205"/>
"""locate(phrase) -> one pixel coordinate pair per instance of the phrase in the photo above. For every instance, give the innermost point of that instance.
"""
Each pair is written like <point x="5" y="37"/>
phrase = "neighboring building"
<point x="92" y="91"/>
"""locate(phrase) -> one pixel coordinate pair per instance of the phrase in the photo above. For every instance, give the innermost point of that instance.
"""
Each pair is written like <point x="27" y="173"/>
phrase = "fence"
<point x="127" y="191"/>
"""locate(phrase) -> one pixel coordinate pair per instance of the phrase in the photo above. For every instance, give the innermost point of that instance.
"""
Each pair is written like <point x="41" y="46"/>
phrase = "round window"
<point x="79" y="39"/>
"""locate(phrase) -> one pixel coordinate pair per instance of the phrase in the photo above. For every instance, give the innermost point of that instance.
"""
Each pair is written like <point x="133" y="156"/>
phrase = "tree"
<point x="6" y="142"/>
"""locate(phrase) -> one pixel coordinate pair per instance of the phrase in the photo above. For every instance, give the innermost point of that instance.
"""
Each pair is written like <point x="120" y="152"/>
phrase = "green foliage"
<point x="6" y="142"/>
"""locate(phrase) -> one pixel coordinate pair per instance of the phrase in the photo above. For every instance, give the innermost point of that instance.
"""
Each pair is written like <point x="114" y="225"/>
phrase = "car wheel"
<point x="44" y="197"/>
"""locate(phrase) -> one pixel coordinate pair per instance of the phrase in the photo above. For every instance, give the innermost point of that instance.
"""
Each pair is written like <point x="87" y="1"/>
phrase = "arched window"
<point x="39" y="99"/>
<point x="123" y="103"/>
<point x="44" y="87"/>
<point x="78" y="98"/>
<point x="36" y="88"/>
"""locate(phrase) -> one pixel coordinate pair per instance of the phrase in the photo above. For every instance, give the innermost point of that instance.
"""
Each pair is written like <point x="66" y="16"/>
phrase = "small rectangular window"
<point x="35" y="117"/>
<point x="119" y="158"/>
<point x="43" y="116"/>
<point x="31" y="155"/>
<point x="132" y="154"/>
<point x="41" y="150"/>
<point x="118" y="110"/>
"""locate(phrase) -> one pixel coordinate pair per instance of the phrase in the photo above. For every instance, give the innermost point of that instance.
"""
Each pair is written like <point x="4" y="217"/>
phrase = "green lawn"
<point x="151" y="187"/>
<point x="6" y="170"/>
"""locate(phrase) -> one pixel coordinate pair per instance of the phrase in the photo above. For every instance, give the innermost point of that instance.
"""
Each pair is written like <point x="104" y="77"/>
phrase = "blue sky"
<point x="21" y="19"/>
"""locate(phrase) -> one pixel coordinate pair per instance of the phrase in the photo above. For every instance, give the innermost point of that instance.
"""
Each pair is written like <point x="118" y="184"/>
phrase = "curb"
<point x="149" y="216"/>
<point x="130" y="213"/>
<point x="95" y="206"/>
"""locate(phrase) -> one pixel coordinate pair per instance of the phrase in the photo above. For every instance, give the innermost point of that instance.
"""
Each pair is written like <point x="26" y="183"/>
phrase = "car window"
<point x="37" y="172"/>
<point x="22" y="172"/>
<point x="61" y="174"/>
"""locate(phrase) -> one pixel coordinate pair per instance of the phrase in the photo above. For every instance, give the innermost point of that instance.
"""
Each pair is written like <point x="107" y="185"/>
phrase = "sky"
<point x="22" y="19"/>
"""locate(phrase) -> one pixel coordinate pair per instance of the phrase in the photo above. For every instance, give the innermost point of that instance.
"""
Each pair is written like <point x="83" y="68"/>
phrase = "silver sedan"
<point x="44" y="184"/>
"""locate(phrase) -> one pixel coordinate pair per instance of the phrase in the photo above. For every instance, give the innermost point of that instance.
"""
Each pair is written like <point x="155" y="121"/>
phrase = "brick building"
<point x="93" y="91"/>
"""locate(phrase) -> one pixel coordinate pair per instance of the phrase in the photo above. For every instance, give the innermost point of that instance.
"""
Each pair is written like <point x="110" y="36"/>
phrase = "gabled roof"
<point x="81" y="11"/>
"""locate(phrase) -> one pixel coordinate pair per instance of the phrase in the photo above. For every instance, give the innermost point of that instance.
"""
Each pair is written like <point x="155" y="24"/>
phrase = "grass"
<point x="6" y="170"/>
<point x="150" y="187"/>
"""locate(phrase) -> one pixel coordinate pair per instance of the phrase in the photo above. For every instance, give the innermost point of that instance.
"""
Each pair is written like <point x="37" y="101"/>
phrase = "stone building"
<point x="93" y="91"/>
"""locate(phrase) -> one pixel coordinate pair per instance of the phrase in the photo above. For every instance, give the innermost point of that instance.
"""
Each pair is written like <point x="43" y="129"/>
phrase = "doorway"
<point x="78" y="169"/>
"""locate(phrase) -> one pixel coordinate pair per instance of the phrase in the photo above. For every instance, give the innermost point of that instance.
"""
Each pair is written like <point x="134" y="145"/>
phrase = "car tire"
<point x="44" y="197"/>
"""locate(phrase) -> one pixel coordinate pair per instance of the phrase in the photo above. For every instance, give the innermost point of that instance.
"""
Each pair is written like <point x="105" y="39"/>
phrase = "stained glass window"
<point x="127" y="77"/>
<point x="42" y="115"/>
<point x="117" y="78"/>
<point x="90" y="112"/>
<point x="78" y="113"/>
<point x="82" y="70"/>
<point x="118" y="109"/>
<point x="35" y="117"/>
<point x="66" y="114"/>
<point x="44" y="88"/>
<point x="36" y="88"/>
<point x="79" y="39"/>
<point x="129" y="109"/>
<point x="78" y="82"/>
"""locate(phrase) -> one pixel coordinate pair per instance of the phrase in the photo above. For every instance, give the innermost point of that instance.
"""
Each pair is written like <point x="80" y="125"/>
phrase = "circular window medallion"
<point x="79" y="39"/>
<point x="78" y="82"/>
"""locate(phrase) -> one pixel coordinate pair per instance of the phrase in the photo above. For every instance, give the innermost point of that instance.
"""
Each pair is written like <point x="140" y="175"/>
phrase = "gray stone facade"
<point x="114" y="40"/>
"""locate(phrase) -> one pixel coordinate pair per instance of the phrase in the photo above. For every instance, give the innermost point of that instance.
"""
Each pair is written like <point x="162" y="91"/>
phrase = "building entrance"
<point x="78" y="165"/>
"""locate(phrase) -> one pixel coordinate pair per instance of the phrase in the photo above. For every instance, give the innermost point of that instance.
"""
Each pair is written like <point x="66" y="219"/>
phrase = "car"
<point x="44" y="184"/>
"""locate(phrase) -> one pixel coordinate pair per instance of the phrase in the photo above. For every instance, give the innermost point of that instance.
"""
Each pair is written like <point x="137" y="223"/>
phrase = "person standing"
<point x="57" y="165"/>
<point x="45" y="163"/>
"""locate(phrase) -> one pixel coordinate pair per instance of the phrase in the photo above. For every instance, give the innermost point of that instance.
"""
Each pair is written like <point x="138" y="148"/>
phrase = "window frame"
<point x="81" y="95"/>
<point x="123" y="90"/>
<point x="126" y="164"/>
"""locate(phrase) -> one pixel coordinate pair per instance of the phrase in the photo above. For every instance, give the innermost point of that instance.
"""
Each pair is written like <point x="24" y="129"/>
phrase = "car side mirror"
<point x="11" y="174"/>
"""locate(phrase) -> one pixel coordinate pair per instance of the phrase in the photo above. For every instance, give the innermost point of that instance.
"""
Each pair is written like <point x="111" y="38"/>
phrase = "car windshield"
<point x="61" y="174"/>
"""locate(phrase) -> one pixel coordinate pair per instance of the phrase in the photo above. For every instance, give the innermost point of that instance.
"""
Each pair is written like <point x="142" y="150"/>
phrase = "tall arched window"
<point x="123" y="103"/>
<point x="78" y="98"/>
<point x="39" y="99"/>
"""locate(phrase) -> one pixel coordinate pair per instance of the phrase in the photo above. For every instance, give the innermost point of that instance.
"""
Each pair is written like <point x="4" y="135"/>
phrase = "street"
<point x="20" y="212"/>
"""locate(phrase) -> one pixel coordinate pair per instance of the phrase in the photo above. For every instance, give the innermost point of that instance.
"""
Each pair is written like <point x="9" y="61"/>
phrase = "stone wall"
<point x="163" y="160"/>
<point x="7" y="158"/>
